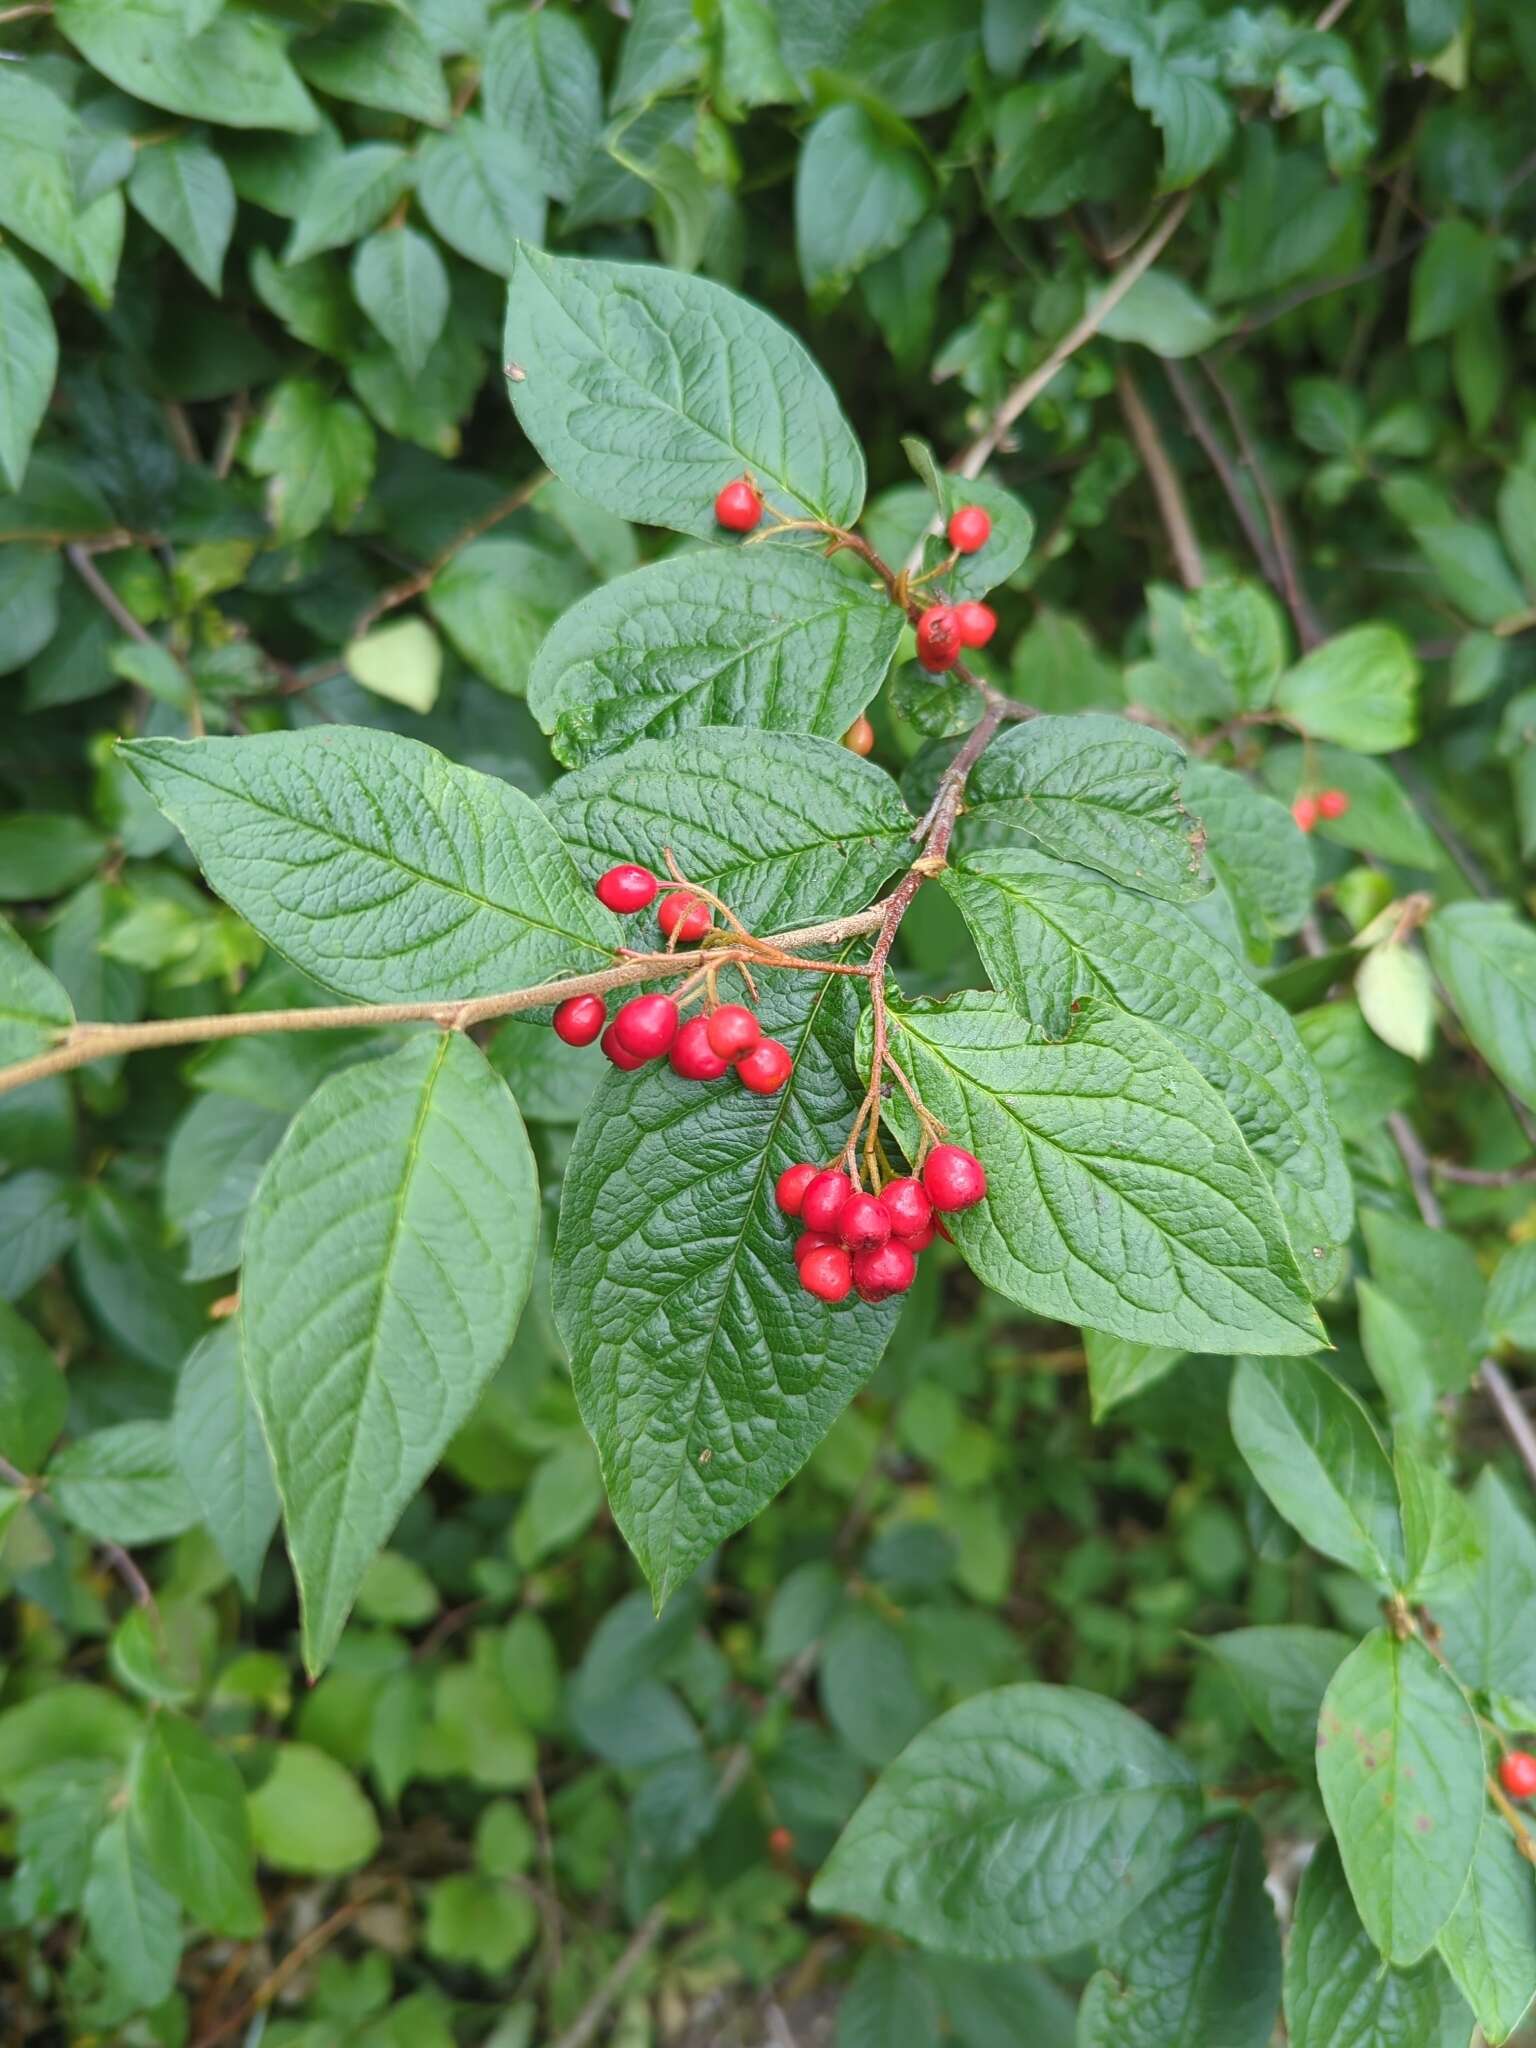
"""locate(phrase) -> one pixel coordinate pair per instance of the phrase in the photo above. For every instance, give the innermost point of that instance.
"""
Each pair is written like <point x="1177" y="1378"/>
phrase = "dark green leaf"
<point x="1485" y="953"/>
<point x="223" y="1455"/>
<point x="123" y="1484"/>
<point x="1281" y="1673"/>
<point x="233" y="71"/>
<point x="28" y="364"/>
<point x="542" y="85"/>
<point x="183" y="190"/>
<point x="858" y="195"/>
<point x="1489" y="1942"/>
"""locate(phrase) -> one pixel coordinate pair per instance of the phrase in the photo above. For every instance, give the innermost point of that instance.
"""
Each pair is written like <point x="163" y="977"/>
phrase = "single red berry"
<point x="822" y="1202"/>
<point x="1305" y="811"/>
<point x="739" y="506"/>
<point x="827" y="1272"/>
<point x="683" y="914"/>
<point x="692" y="1054"/>
<point x="1331" y="803"/>
<point x="938" y="638"/>
<point x="864" y="1223"/>
<point x="918" y="1240"/>
<point x="860" y="736"/>
<point x="766" y="1067"/>
<point x="978" y="622"/>
<point x="625" y="1061"/>
<point x="789" y="1190"/>
<point x="780" y="1843"/>
<point x="811" y="1241"/>
<point x="969" y="527"/>
<point x="734" y="1030"/>
<point x="646" y="1026"/>
<point x="910" y="1209"/>
<point x="885" y="1270"/>
<point x="954" y="1178"/>
<point x="1517" y="1774"/>
<point x="627" y="888"/>
<point x="580" y="1018"/>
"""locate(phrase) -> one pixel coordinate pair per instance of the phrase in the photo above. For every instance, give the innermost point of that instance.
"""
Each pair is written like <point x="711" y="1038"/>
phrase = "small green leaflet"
<point x="223" y="1454"/>
<point x="1122" y="1195"/>
<point x="133" y="1921"/>
<point x="347" y="196"/>
<point x="28" y="364"/>
<point x="787" y="830"/>
<point x="33" y="1005"/>
<point x="1489" y="1942"/>
<point x="1359" y="690"/>
<point x="1008" y="544"/>
<point x="1485" y="953"/>
<point x="401" y="283"/>
<point x="1024" y="1822"/>
<point x="1118" y="1369"/>
<point x="233" y="71"/>
<point x="39" y="202"/>
<point x="377" y="57"/>
<point x="859" y="193"/>
<point x="477" y="188"/>
<point x="188" y="1812"/>
<point x="34" y="1394"/>
<point x="543" y="86"/>
<point x="1099" y="791"/>
<point x="704" y="1372"/>
<point x="497" y="599"/>
<point x="380" y="868"/>
<point x="758" y="636"/>
<point x="1313" y="1448"/>
<point x="318" y="452"/>
<point x="1400" y="1765"/>
<point x="1256" y="853"/>
<point x="1485" y="1651"/>
<point x="388" y="1255"/>
<point x="122" y="1484"/>
<point x="624" y="416"/>
<point x="182" y="189"/>
<point x="1280" y="1673"/>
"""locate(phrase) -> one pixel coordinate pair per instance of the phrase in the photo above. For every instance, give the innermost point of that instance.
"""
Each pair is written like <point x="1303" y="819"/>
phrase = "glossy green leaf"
<point x="39" y="202"/>
<point x="402" y="285"/>
<point x="542" y="85"/>
<point x="401" y="662"/>
<point x="1280" y="1673"/>
<point x="223" y="1455"/>
<point x="388" y="1256"/>
<point x="1397" y="998"/>
<point x="395" y="876"/>
<point x="1359" y="689"/>
<point x="133" y="1921"/>
<point x="29" y="362"/>
<point x="188" y="1813"/>
<point x="233" y="70"/>
<point x="123" y="1484"/>
<point x="1489" y="1942"/>
<point x="1024" y="1822"/>
<point x="1485" y="953"/>
<point x="183" y="190"/>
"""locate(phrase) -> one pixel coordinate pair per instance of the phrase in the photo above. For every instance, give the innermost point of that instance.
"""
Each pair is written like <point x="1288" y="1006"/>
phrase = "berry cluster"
<point x="1328" y="803"/>
<point x="646" y="1027"/>
<point x="945" y="629"/>
<point x="856" y="1242"/>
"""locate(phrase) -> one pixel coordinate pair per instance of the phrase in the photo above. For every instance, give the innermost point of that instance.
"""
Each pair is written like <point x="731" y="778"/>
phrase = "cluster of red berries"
<point x="869" y="1243"/>
<point x="1328" y="803"/>
<point x="646" y="1027"/>
<point x="945" y="629"/>
<point x="1517" y="1774"/>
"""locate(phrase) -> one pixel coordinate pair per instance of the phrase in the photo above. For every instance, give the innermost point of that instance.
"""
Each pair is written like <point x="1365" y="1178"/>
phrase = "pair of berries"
<point x="702" y="1049"/>
<point x="944" y="629"/>
<point x="628" y="888"/>
<point x="1517" y="1774"/>
<point x="869" y="1243"/>
<point x="1328" y="803"/>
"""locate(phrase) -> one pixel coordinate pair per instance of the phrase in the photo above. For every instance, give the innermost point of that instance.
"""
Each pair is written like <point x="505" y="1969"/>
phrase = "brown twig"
<point x="1200" y="425"/>
<point x="1308" y="629"/>
<point x="303" y="1950"/>
<point x="1163" y="477"/>
<point x="1484" y="1176"/>
<point x="413" y="586"/>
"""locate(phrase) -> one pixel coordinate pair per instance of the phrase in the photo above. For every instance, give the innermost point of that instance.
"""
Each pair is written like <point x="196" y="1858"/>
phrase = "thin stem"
<point x="1308" y="630"/>
<point x="1163" y="477"/>
<point x="413" y="586"/>
<point x="1484" y="1176"/>
<point x="1199" y="423"/>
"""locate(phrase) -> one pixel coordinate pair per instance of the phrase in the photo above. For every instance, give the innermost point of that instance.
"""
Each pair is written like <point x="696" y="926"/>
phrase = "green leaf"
<point x="1163" y="315"/>
<point x="29" y="618"/>
<point x="764" y="637"/>
<point x="889" y="2003"/>
<point x="310" y="1815"/>
<point x="1239" y="626"/>
<point x="1489" y="1942"/>
<point x="1511" y="1306"/>
<point x="133" y="1921"/>
<point x="223" y="1455"/>
<point x="1453" y="273"/>
<point x="859" y="193"/>
<point x="1199" y="1961"/>
<point x="39" y="201"/>
<point x="913" y="55"/>
<point x="1400" y="1765"/>
<point x="398" y="877"/>
<point x="347" y="196"/>
<point x="403" y="663"/>
<point x="388" y="1255"/>
<point x="131" y="1279"/>
<point x="601" y="390"/>
<point x="29" y="361"/>
<point x="496" y="601"/>
<point x="43" y="854"/>
<point x="1096" y="790"/>
<point x="1280" y="1674"/>
<point x="182" y="189"/>
<point x="1485" y="1620"/>
<point x="232" y="71"/>
<point x="1440" y="1532"/>
<point x="34" y="1397"/>
<point x="1024" y="1822"/>
<point x="1472" y="569"/>
<point x="377" y="57"/>
<point x="479" y="190"/>
<point x="663" y="49"/>
<point x="1397" y="998"/>
<point x="318" y="452"/>
<point x="1008" y="544"/>
<point x="189" y="1815"/>
<point x="34" y="1007"/>
<point x="473" y="1920"/>
<point x="37" y="1227"/>
<point x="1338" y="1993"/>
<point x="542" y="85"/>
<point x="1380" y="818"/>
<point x="123" y="1484"/>
<point x="1122" y="1195"/>
<point x="1119" y="1369"/>
<point x="1051" y="937"/>
<point x="1485" y="953"/>
<point x="1261" y="861"/>
<point x="1312" y="1447"/>
<point x="704" y="1373"/>
<point x="787" y="830"/>
<point x="1358" y="689"/>
<point x="1517" y="521"/>
<point x="1436" y="1278"/>
<point x="402" y="285"/>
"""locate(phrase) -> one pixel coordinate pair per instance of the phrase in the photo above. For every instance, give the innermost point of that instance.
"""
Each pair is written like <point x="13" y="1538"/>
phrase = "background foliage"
<point x="262" y="476"/>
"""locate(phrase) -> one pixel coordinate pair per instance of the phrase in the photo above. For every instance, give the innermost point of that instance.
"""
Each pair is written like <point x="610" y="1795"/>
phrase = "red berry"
<point x="739" y="506"/>
<point x="766" y="1067"/>
<point x="827" y="1272"/>
<point x="789" y="1190"/>
<point x="860" y="736"/>
<point x="1331" y="803"/>
<point x="918" y="1240"/>
<point x="1517" y="1774"/>
<point x="811" y="1241"/>
<point x="938" y="638"/>
<point x="969" y="527"/>
<point x="978" y="622"/>
<point x="864" y="1223"/>
<point x="626" y="1061"/>
<point x="627" y="888"/>
<point x="910" y="1209"/>
<point x="954" y="1178"/>
<point x="733" y="1030"/>
<point x="780" y="1843"/>
<point x="692" y="1054"/>
<point x="887" y="1269"/>
<point x="683" y="914"/>
<point x="646" y="1026"/>
<point x="822" y="1203"/>
<point x="1305" y="812"/>
<point x="580" y="1018"/>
